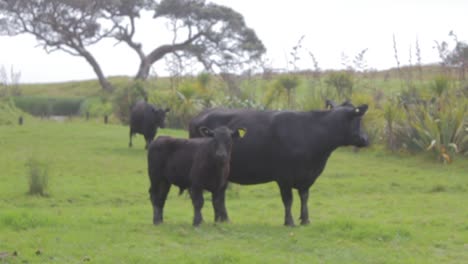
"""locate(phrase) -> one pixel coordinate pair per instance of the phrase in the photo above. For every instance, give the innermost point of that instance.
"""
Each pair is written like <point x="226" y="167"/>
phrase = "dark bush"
<point x="38" y="106"/>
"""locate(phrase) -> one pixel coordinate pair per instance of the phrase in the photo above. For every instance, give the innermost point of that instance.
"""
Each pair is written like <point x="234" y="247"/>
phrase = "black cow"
<point x="288" y="147"/>
<point x="145" y="119"/>
<point x="195" y="164"/>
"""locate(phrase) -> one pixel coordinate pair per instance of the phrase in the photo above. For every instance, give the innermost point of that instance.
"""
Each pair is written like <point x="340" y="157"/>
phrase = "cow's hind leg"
<point x="197" y="201"/>
<point x="148" y="141"/>
<point x="219" y="205"/>
<point x="130" y="142"/>
<point x="304" y="195"/>
<point x="286" y="196"/>
<point x="158" y="195"/>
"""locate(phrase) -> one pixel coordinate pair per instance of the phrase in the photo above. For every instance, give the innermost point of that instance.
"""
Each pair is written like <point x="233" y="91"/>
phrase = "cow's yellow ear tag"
<point x="242" y="132"/>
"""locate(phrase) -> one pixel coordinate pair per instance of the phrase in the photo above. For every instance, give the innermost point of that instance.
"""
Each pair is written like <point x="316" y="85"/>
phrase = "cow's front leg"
<point x="286" y="196"/>
<point x="197" y="201"/>
<point x="219" y="205"/>
<point x="304" y="195"/>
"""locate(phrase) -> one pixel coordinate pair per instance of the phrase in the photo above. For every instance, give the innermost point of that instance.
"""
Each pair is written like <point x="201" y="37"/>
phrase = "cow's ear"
<point x="329" y="104"/>
<point x="206" y="132"/>
<point x="361" y="110"/>
<point x="239" y="133"/>
<point x="167" y="110"/>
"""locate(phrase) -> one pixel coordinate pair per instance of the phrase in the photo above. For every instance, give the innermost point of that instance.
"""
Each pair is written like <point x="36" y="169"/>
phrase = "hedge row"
<point x="40" y="106"/>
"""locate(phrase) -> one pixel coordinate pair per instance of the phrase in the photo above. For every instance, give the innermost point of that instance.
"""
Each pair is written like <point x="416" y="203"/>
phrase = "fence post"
<point x="87" y="116"/>
<point x="20" y="120"/>
<point x="105" y="119"/>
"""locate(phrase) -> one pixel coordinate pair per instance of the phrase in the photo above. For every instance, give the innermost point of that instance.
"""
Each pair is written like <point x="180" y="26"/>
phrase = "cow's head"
<point x="349" y="120"/>
<point x="222" y="138"/>
<point x="159" y="116"/>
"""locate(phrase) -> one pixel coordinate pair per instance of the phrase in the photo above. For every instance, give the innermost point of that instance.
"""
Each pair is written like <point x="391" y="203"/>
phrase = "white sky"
<point x="331" y="27"/>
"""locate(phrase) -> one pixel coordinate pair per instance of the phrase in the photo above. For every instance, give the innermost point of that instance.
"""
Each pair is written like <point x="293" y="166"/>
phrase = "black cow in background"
<point x="289" y="147"/>
<point x="145" y="119"/>
<point x="196" y="164"/>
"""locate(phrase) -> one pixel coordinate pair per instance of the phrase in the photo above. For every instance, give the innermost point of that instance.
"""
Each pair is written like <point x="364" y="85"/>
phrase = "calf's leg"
<point x="304" y="195"/>
<point x="197" y="201"/>
<point x="286" y="196"/>
<point x="158" y="194"/>
<point x="219" y="205"/>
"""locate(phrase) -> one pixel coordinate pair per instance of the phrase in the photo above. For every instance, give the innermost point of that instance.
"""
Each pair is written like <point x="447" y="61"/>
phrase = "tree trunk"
<point x="105" y="84"/>
<point x="144" y="69"/>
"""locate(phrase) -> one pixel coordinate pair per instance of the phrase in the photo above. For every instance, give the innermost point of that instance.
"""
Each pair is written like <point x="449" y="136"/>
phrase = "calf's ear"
<point x="206" y="132"/>
<point x="239" y="133"/>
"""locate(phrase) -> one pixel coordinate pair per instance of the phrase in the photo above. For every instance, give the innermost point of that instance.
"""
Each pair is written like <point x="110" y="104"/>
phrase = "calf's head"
<point x="222" y="140"/>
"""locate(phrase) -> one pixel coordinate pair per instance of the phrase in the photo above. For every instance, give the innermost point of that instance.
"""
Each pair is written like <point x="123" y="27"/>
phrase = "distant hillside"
<point x="386" y="79"/>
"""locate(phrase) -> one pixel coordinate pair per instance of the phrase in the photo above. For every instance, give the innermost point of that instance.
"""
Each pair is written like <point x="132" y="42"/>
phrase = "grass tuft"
<point x="38" y="177"/>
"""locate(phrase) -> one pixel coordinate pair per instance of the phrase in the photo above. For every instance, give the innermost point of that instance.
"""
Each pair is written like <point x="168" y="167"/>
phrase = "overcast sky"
<point x="331" y="28"/>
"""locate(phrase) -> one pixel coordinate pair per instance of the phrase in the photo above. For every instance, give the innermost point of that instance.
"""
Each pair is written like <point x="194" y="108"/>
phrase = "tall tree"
<point x="215" y="35"/>
<point x="67" y="25"/>
<point x="457" y="57"/>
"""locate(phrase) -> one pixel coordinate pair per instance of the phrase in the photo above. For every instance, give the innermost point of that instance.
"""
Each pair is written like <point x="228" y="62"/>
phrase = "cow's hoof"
<point x="222" y="220"/>
<point x="290" y="224"/>
<point x="157" y="222"/>
<point x="197" y="222"/>
<point x="305" y="222"/>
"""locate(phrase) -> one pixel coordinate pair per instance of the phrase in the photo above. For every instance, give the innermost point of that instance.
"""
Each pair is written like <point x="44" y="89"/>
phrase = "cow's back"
<point x="251" y="157"/>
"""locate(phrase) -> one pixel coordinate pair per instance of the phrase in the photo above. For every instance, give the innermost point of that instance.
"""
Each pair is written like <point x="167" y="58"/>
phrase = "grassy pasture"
<point x="367" y="207"/>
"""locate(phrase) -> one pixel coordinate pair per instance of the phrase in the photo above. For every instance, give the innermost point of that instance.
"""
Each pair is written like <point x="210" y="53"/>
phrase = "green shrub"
<point x="289" y="84"/>
<point x="38" y="177"/>
<point x="439" y="125"/>
<point x="185" y="102"/>
<point x="392" y="113"/>
<point x="272" y="95"/>
<point x="96" y="107"/>
<point x="342" y="82"/>
<point x="236" y="102"/>
<point x="440" y="85"/>
<point x="125" y="97"/>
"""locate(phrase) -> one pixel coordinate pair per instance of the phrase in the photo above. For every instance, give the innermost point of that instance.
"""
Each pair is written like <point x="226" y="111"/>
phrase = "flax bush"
<point x="439" y="125"/>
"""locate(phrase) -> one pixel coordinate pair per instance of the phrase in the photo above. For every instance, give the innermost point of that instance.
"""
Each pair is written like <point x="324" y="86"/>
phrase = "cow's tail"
<point x="181" y="191"/>
<point x="156" y="161"/>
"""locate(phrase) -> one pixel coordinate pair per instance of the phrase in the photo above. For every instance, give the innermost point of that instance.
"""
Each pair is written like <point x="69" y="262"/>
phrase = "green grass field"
<point x="367" y="207"/>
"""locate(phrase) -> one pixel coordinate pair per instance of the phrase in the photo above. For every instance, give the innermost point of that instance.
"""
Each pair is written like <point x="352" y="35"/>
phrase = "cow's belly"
<point x="250" y="173"/>
<point x="297" y="175"/>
